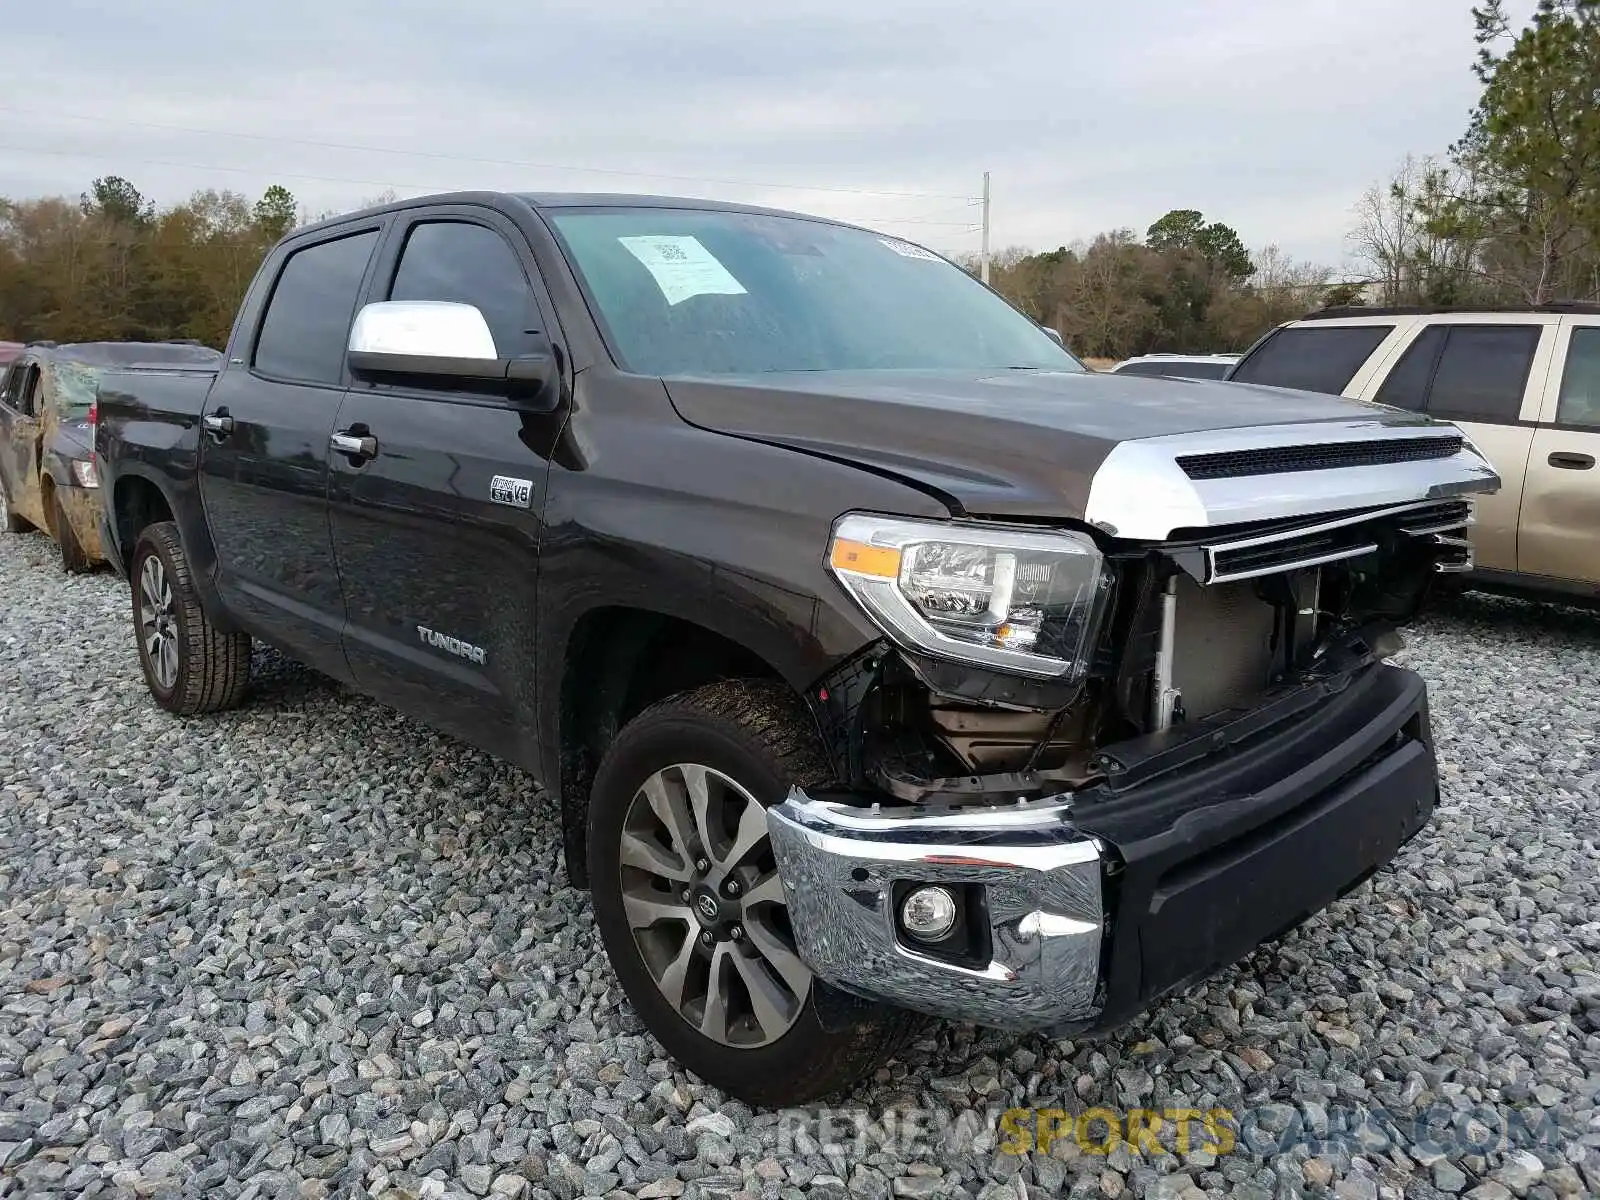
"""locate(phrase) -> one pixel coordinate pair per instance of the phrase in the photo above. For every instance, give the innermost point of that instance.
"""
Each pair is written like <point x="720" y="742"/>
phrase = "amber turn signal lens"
<point x="863" y="559"/>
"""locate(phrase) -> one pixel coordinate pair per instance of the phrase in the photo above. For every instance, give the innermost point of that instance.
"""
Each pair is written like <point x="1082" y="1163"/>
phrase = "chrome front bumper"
<point x="1200" y="856"/>
<point x="1042" y="883"/>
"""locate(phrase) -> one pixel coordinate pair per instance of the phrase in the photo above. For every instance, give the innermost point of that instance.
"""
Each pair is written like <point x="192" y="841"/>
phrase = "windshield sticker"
<point x="907" y="250"/>
<point x="682" y="267"/>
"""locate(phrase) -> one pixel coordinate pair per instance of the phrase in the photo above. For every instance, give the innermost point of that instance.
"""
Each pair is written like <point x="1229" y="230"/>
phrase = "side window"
<point x="22" y="388"/>
<point x="1140" y="368"/>
<point x="1313" y="357"/>
<point x="307" y="324"/>
<point x="11" y="388"/>
<point x="33" y="404"/>
<point x="1483" y="372"/>
<point x="1407" y="385"/>
<point x="1579" y="403"/>
<point x="468" y="264"/>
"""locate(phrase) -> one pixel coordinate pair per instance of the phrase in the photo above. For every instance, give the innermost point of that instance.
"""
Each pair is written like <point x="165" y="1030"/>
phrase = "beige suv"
<point x="1524" y="385"/>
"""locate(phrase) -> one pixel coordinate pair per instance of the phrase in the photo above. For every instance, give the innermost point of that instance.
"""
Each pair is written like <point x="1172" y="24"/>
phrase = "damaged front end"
<point x="1227" y="754"/>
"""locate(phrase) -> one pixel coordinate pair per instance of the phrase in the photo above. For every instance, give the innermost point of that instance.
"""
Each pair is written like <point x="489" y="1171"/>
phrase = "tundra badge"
<point x="441" y="641"/>
<point x="504" y="489"/>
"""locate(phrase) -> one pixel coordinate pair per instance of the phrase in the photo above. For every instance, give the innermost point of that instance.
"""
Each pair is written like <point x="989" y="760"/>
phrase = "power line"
<point x="932" y="216"/>
<point x="166" y="162"/>
<point x="499" y="162"/>
<point x="967" y="226"/>
<point x="870" y="222"/>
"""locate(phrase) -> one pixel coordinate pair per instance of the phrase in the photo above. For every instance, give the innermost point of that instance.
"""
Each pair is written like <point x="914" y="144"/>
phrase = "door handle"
<point x="1571" y="462"/>
<point x="355" y="446"/>
<point x="218" y="424"/>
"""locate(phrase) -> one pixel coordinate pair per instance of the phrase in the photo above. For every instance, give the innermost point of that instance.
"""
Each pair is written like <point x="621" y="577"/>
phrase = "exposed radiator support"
<point x="1163" y="696"/>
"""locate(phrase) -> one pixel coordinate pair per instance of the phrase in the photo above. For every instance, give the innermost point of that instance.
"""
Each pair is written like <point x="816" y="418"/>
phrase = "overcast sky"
<point x="1271" y="115"/>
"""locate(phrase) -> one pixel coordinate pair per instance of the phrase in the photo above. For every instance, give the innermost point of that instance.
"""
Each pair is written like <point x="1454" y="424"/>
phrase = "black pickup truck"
<point x="885" y="660"/>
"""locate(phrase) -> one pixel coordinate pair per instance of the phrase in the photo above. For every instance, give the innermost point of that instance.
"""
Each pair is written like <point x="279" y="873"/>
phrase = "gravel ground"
<point x="311" y="948"/>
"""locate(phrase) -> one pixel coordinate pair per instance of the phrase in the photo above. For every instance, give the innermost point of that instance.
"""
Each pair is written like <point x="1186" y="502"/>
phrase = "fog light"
<point x="928" y="913"/>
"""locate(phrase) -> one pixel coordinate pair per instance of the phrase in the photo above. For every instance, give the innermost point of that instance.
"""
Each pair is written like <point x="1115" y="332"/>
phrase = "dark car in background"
<point x="1177" y="366"/>
<point x="48" y="479"/>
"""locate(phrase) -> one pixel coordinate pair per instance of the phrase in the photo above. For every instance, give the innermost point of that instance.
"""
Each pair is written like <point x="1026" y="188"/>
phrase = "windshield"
<point x="75" y="389"/>
<point x="697" y="292"/>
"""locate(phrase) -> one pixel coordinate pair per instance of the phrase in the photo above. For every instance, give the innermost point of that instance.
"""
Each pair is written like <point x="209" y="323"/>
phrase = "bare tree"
<point x="1282" y="281"/>
<point x="1389" y="241"/>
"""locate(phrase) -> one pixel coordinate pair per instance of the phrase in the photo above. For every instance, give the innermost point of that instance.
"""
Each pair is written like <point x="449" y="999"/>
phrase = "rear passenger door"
<point x="1485" y="375"/>
<point x="437" y="532"/>
<point x="1560" y="535"/>
<point x="264" y="451"/>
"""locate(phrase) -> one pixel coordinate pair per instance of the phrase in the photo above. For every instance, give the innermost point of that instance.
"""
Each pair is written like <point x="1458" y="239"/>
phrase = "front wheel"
<point x="189" y="665"/>
<point x="689" y="904"/>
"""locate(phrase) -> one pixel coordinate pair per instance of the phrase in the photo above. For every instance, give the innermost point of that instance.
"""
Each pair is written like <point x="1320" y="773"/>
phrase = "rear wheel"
<point x="189" y="665"/>
<point x="689" y="904"/>
<point x="73" y="560"/>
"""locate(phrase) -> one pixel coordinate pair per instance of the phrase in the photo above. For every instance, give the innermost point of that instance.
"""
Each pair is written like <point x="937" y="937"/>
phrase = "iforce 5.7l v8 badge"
<point x="518" y="493"/>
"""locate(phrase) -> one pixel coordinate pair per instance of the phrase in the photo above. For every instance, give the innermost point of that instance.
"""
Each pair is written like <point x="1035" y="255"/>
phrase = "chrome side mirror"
<point x="424" y="337"/>
<point x="1055" y="333"/>
<point x="436" y="342"/>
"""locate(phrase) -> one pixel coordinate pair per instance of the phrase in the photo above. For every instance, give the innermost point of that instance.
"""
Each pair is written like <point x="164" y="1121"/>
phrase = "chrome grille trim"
<point x="1431" y="523"/>
<point x="1280" y="568"/>
<point x="1141" y="492"/>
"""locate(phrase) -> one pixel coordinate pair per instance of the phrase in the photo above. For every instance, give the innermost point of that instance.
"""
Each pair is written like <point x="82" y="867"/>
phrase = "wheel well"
<point x="137" y="504"/>
<point x="619" y="662"/>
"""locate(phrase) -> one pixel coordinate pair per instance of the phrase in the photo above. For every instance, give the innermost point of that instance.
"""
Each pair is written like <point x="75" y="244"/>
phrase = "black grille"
<point x="1278" y="460"/>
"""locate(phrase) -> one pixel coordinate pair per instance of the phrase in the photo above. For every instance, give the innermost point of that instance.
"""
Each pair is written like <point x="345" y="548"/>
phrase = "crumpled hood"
<point x="1001" y="443"/>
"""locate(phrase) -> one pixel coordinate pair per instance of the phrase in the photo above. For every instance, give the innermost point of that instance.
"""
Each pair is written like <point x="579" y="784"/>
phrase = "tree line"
<point x="1508" y="214"/>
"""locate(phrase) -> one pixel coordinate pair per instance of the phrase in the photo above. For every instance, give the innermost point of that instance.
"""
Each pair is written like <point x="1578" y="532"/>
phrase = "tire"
<point x="189" y="666"/>
<point x="73" y="560"/>
<point x="747" y="742"/>
<point x="9" y="521"/>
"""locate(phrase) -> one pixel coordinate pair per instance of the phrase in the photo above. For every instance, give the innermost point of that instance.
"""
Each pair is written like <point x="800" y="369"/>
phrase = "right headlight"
<point x="1010" y="599"/>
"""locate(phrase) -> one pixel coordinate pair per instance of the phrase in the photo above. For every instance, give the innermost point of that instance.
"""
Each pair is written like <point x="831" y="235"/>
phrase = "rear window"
<point x="1175" y="368"/>
<point x="1314" y="358"/>
<point x="1197" y="370"/>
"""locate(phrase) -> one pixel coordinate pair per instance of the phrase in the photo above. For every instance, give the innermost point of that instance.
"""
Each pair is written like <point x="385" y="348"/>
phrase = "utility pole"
<point x="983" y="258"/>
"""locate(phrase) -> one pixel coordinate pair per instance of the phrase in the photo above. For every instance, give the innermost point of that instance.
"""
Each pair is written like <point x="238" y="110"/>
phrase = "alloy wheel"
<point x="702" y="895"/>
<point x="158" y="626"/>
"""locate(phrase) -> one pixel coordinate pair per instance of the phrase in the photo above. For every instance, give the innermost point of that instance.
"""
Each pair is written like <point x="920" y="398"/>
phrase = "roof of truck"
<point x="556" y="200"/>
